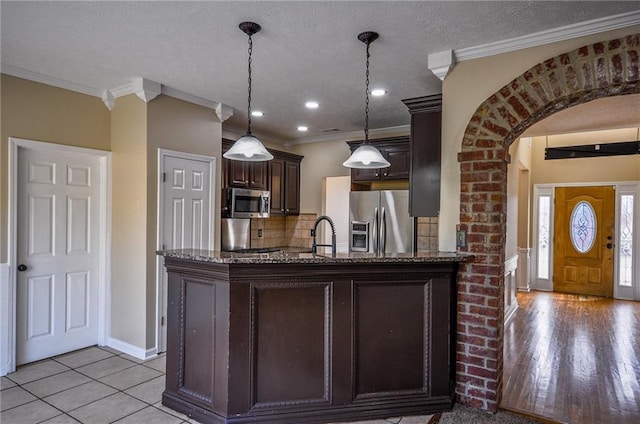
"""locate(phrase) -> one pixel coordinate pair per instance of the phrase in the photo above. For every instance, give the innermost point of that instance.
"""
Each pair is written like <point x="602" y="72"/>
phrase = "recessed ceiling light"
<point x="378" y="92"/>
<point x="257" y="113"/>
<point x="312" y="105"/>
<point x="302" y="128"/>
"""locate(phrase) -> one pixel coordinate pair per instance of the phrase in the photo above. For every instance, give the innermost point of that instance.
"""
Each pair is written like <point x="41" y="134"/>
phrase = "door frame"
<point x="161" y="280"/>
<point x="620" y="187"/>
<point x="9" y="303"/>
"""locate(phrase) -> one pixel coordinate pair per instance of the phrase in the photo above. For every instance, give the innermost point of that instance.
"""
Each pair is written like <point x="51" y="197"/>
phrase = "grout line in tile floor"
<point x="99" y="385"/>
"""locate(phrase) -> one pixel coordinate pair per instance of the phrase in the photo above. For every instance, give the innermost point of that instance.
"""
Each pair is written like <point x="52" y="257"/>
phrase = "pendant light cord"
<point x="366" y="105"/>
<point x="249" y="97"/>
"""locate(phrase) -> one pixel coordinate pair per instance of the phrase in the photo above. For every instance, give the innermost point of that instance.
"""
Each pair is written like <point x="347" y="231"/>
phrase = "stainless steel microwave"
<point x="247" y="203"/>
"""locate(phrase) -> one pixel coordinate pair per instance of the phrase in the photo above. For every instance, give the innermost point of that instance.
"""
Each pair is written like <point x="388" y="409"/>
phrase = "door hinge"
<point x="162" y="322"/>
<point x="164" y="177"/>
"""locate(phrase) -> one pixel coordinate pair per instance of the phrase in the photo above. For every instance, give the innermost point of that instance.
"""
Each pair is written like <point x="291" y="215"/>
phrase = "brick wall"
<point x="603" y="69"/>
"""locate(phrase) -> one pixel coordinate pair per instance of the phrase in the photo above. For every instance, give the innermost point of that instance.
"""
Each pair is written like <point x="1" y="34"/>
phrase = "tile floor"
<point x="98" y="385"/>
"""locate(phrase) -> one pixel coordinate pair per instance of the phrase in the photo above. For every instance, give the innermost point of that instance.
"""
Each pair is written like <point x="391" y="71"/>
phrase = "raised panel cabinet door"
<point x="259" y="175"/>
<point x="277" y="179"/>
<point x="292" y="188"/>
<point x="363" y="175"/>
<point x="424" y="181"/>
<point x="238" y="173"/>
<point x="400" y="159"/>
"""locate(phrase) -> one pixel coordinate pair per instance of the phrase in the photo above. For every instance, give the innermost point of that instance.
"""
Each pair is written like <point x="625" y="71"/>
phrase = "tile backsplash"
<point x="295" y="231"/>
<point x="279" y="231"/>
<point x="427" y="234"/>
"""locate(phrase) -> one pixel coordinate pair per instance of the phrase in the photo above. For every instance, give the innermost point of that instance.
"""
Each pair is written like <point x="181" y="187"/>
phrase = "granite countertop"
<point x="302" y="256"/>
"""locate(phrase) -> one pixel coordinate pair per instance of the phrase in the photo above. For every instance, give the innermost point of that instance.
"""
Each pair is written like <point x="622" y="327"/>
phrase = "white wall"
<point x="335" y="204"/>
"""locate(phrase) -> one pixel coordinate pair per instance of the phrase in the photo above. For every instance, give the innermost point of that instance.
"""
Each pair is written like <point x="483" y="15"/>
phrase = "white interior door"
<point x="58" y="249"/>
<point x="187" y="218"/>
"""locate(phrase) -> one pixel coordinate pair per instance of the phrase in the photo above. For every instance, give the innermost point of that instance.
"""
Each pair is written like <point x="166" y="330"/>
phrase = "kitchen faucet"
<point x="314" y="247"/>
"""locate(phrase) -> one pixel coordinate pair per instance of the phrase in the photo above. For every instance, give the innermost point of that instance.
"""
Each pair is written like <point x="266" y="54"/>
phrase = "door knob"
<point x="22" y="267"/>
<point x="609" y="245"/>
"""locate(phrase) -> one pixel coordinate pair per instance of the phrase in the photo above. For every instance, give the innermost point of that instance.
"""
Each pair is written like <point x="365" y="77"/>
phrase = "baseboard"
<point x="129" y="349"/>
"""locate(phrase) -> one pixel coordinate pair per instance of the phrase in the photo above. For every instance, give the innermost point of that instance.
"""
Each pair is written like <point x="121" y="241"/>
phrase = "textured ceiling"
<point x="306" y="50"/>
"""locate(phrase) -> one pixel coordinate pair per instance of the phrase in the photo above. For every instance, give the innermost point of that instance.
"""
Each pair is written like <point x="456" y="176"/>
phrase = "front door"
<point x="187" y="212"/>
<point x="58" y="249"/>
<point x="583" y="240"/>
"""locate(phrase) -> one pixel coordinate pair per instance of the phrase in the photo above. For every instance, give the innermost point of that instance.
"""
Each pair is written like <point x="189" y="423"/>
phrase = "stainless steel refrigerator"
<point x="379" y="222"/>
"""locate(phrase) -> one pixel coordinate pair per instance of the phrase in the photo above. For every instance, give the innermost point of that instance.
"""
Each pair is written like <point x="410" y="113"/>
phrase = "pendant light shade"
<point x="367" y="156"/>
<point x="248" y="147"/>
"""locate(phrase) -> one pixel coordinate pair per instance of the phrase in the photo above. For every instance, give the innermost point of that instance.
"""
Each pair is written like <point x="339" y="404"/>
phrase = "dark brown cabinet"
<point x="281" y="176"/>
<point x="395" y="150"/>
<point x="424" y="184"/>
<point x="280" y="343"/>
<point x="285" y="183"/>
<point x="254" y="175"/>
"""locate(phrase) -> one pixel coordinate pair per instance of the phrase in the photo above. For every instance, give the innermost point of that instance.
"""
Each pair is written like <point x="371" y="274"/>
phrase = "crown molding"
<point x="441" y="63"/>
<point x="190" y="98"/>
<point x="49" y="80"/>
<point x="108" y="99"/>
<point x="580" y="29"/>
<point x="353" y="135"/>
<point x="145" y="89"/>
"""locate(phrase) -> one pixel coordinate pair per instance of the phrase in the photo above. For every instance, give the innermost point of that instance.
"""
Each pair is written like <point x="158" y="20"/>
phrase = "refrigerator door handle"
<point x="383" y="232"/>
<point x="375" y="230"/>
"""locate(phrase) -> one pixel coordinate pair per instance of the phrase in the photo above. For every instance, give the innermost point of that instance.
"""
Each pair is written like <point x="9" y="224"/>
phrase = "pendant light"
<point x="248" y="147"/>
<point x="367" y="156"/>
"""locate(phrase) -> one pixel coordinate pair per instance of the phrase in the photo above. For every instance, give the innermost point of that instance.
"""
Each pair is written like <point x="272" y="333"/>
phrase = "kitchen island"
<point x="290" y="337"/>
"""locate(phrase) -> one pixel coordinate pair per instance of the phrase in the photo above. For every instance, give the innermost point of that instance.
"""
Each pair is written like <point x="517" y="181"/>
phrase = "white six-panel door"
<point x="58" y="224"/>
<point x="186" y="203"/>
<point x="186" y="218"/>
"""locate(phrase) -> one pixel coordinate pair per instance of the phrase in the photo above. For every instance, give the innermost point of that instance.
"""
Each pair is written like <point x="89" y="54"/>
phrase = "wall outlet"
<point x="260" y="232"/>
<point x="461" y="238"/>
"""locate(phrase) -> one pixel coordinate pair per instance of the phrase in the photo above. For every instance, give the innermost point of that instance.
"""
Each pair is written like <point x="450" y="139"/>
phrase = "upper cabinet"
<point x="285" y="183"/>
<point x="424" y="184"/>
<point x="254" y="175"/>
<point x="395" y="150"/>
<point x="281" y="176"/>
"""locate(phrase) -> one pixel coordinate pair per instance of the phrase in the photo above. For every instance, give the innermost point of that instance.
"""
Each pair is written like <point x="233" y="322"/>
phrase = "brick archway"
<point x="608" y="68"/>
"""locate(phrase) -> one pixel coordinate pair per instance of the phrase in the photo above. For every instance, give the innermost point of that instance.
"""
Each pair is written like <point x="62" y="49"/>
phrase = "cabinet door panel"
<point x="292" y="188"/>
<point x="365" y="174"/>
<point x="277" y="183"/>
<point x="238" y="174"/>
<point x="400" y="159"/>
<point x="424" y="185"/>
<point x="258" y="175"/>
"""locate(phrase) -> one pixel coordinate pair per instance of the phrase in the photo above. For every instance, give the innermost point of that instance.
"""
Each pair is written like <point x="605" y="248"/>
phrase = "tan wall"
<point x="34" y="111"/>
<point x="465" y="88"/>
<point x="183" y="127"/>
<point x="323" y="159"/>
<point x="129" y="216"/>
<point x="520" y="152"/>
<point x="617" y="168"/>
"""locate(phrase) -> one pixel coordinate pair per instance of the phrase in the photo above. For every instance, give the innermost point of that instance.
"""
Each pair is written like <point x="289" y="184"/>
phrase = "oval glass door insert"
<point x="583" y="227"/>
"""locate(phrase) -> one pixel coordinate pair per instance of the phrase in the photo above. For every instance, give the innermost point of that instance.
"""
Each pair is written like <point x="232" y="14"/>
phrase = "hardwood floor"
<point x="573" y="359"/>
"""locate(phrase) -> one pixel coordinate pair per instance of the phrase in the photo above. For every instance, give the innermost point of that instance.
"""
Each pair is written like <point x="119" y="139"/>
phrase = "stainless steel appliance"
<point x="246" y="203"/>
<point x="379" y="222"/>
<point x="235" y="233"/>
